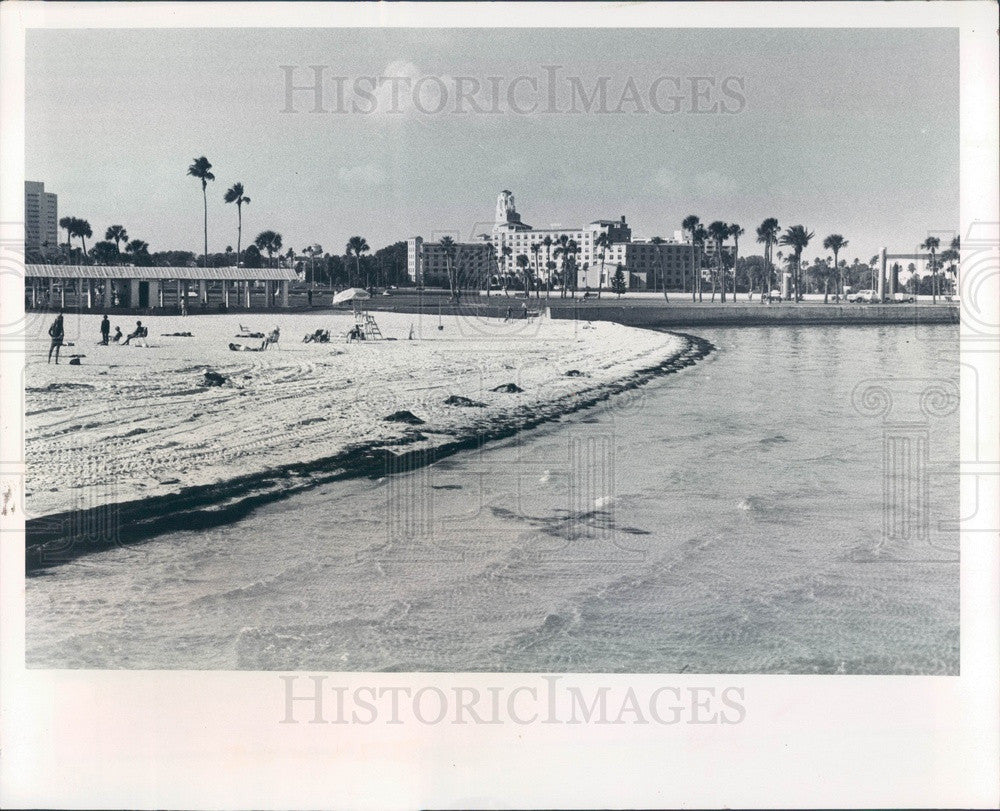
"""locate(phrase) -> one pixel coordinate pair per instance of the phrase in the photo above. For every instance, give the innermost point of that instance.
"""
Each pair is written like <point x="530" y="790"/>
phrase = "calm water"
<point x="730" y="518"/>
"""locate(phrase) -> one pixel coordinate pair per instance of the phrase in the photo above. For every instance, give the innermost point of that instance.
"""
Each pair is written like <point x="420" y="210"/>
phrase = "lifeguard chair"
<point x="364" y="322"/>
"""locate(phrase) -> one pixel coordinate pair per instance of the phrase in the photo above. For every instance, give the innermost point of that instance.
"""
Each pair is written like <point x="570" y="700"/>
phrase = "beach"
<point x="138" y="426"/>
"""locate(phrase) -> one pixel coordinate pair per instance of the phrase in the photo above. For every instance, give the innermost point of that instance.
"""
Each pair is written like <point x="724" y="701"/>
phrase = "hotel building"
<point x="647" y="264"/>
<point x="41" y="217"/>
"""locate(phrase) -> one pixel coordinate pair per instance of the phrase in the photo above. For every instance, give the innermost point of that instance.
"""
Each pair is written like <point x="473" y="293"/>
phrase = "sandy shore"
<point x="139" y="428"/>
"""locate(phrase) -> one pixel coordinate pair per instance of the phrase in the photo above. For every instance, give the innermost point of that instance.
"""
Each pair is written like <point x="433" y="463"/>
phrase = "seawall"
<point x="662" y="315"/>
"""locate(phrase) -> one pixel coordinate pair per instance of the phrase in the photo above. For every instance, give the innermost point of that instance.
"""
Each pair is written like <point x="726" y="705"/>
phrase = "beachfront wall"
<point x="105" y="287"/>
<point x="664" y="315"/>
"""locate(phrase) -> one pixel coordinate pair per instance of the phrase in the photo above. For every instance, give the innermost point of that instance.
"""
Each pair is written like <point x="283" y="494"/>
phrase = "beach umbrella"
<point x="351" y="294"/>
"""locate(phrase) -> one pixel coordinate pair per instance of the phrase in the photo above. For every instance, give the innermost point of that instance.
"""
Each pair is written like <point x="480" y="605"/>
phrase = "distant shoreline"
<point x="49" y="540"/>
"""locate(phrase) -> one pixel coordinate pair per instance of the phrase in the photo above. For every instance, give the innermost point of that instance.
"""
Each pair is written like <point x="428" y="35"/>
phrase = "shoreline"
<point x="61" y="537"/>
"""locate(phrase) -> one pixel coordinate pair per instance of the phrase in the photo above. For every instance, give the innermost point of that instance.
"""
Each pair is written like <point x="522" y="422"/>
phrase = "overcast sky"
<point x="853" y="132"/>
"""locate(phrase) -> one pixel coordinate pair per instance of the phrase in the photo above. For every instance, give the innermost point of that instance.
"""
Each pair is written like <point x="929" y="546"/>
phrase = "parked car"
<point x="774" y="295"/>
<point x="863" y="296"/>
<point x="903" y="298"/>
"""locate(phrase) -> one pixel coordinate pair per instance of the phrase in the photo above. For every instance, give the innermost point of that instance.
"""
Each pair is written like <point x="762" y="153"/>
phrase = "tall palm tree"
<point x="735" y="231"/>
<point x="547" y="242"/>
<point x="505" y="252"/>
<point x="81" y="229"/>
<point x="797" y="238"/>
<point x="201" y="169"/>
<point x="67" y="223"/>
<point x="700" y="237"/>
<point x="718" y="231"/>
<point x="448" y="248"/>
<point x="118" y="234"/>
<point x="235" y="195"/>
<point x="956" y="260"/>
<point x="932" y="244"/>
<point x="566" y="248"/>
<point x="603" y="242"/>
<point x="836" y="243"/>
<point x="659" y="242"/>
<point x="688" y="225"/>
<point x="535" y="249"/>
<point x="268" y="241"/>
<point x="523" y="262"/>
<point x="357" y="246"/>
<point x="767" y="234"/>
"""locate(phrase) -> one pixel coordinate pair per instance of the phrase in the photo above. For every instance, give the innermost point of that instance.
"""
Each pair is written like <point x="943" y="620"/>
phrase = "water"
<point x="729" y="518"/>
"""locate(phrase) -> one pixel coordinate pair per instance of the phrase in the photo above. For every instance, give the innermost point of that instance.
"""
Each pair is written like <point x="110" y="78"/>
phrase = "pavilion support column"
<point x="881" y="275"/>
<point x="225" y="294"/>
<point x="133" y="292"/>
<point x="180" y="294"/>
<point x="34" y="293"/>
<point x="247" y="293"/>
<point x="267" y="294"/>
<point x="202" y="291"/>
<point x="109" y="290"/>
<point x="62" y="294"/>
<point x="154" y="293"/>
<point x="87" y="284"/>
<point x="284" y="293"/>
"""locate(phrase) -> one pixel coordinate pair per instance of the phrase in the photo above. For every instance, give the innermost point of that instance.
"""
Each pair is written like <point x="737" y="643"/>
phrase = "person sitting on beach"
<point x="118" y="335"/>
<point x="356" y="333"/>
<point x="57" y="332"/>
<point x="105" y="330"/>
<point x="272" y="338"/>
<point x="139" y="335"/>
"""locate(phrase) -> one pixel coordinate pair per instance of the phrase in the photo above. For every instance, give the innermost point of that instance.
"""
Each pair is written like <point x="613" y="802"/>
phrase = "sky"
<point x="844" y="131"/>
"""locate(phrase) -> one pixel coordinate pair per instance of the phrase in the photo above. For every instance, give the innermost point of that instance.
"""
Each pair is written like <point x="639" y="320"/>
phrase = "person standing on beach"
<point x="105" y="330"/>
<point x="56" y="332"/>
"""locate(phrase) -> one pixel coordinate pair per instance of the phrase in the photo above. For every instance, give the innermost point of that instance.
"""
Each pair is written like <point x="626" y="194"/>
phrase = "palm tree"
<point x="201" y="169"/>
<point x="136" y="246"/>
<point x="118" y="234"/>
<point x="797" y="238"/>
<point x="956" y="260"/>
<point x="700" y="237"/>
<point x="767" y="233"/>
<point x="235" y="195"/>
<point x="735" y="232"/>
<point x="718" y="231"/>
<point x="566" y="248"/>
<point x="269" y="241"/>
<point x="81" y="229"/>
<point x="357" y="246"/>
<point x="689" y="224"/>
<point x="67" y="223"/>
<point x="505" y="251"/>
<point x="523" y="262"/>
<point x="603" y="241"/>
<point x="547" y="242"/>
<point x="535" y="249"/>
<point x="659" y="242"/>
<point x="932" y="244"/>
<point x="448" y="249"/>
<point x="836" y="243"/>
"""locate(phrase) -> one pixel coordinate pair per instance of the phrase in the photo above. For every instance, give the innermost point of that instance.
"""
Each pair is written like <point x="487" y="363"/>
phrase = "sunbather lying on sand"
<point x="247" y="348"/>
<point x="320" y="336"/>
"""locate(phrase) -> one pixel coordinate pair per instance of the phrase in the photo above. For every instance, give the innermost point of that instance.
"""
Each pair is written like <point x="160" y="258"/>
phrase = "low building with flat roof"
<point x="105" y="287"/>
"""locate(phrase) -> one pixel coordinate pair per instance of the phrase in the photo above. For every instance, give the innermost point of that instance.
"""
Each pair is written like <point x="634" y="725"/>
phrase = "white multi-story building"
<point x="41" y="217"/>
<point x="648" y="264"/>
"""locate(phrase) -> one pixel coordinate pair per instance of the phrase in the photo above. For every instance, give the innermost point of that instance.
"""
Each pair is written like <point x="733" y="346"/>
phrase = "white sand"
<point x="142" y="423"/>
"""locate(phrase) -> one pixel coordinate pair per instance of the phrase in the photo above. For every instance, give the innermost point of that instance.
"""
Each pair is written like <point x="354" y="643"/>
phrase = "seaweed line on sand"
<point x="50" y="540"/>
